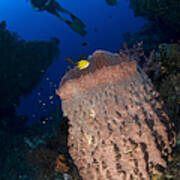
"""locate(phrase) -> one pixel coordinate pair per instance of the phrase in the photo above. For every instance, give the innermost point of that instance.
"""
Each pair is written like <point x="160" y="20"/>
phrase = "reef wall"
<point x="22" y="66"/>
<point x="118" y="129"/>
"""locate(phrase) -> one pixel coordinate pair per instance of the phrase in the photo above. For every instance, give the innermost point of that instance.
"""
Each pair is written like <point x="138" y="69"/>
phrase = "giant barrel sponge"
<point x="118" y="129"/>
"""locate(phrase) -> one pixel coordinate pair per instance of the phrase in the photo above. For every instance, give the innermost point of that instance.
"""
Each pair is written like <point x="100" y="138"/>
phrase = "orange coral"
<point x="60" y="164"/>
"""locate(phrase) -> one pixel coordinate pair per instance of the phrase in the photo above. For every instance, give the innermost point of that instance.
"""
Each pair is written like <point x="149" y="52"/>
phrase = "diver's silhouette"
<point x="54" y="8"/>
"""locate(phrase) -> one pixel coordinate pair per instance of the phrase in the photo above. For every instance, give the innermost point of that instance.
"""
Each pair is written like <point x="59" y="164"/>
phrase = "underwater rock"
<point x="117" y="127"/>
<point x="164" y="13"/>
<point x="22" y="66"/>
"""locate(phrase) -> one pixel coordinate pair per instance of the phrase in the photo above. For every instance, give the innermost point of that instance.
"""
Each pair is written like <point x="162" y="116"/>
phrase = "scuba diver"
<point x="54" y="8"/>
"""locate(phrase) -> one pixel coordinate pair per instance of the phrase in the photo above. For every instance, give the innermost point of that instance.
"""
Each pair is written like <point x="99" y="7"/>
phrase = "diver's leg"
<point x="75" y="27"/>
<point x="73" y="17"/>
<point x="52" y="8"/>
<point x="77" y="21"/>
<point x="76" y="24"/>
<point x="59" y="8"/>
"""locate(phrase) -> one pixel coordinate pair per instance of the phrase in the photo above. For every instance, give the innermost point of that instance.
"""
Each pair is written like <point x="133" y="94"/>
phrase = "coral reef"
<point x="43" y="159"/>
<point x="50" y="160"/>
<point x="162" y="27"/>
<point x="117" y="126"/>
<point x="168" y="83"/>
<point x="22" y="66"/>
<point x="14" y="163"/>
<point x="136" y="53"/>
<point x="165" y="13"/>
<point x="150" y="34"/>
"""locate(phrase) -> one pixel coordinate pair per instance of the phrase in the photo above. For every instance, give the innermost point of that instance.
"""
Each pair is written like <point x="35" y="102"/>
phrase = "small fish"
<point x="47" y="78"/>
<point x="70" y="60"/>
<point x="38" y="93"/>
<point x="51" y="97"/>
<point x="40" y="101"/>
<point x="84" y="43"/>
<point x="83" y="64"/>
<point x="33" y="115"/>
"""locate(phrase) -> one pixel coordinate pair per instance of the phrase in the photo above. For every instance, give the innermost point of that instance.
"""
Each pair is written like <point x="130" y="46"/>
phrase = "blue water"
<point x="96" y="14"/>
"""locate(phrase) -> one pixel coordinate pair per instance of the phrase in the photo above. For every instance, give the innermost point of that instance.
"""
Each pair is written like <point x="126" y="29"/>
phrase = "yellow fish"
<point x="83" y="64"/>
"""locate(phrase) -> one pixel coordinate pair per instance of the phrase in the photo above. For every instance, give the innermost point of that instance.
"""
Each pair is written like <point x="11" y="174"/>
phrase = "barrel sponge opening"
<point x="104" y="68"/>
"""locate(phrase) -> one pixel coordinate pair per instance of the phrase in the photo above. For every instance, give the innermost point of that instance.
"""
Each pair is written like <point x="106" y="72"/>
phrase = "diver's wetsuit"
<point x="49" y="5"/>
<point x="41" y="4"/>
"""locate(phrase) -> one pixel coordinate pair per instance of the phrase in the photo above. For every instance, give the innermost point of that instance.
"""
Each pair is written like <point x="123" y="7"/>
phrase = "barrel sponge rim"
<point x="105" y="67"/>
